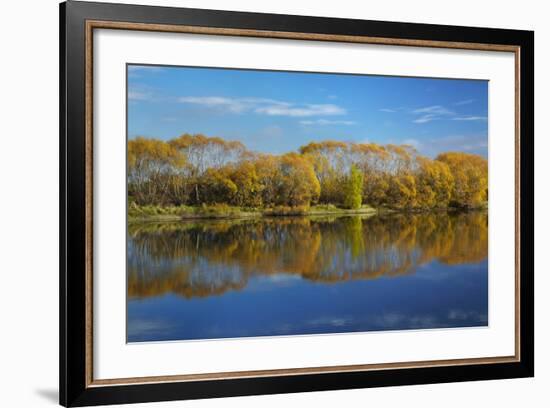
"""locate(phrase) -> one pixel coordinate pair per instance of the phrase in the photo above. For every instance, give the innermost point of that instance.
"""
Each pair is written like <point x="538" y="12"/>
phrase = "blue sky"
<point x="277" y="112"/>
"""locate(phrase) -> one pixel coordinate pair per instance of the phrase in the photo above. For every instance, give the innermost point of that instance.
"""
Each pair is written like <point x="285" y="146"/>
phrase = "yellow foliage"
<point x="298" y="183"/>
<point x="197" y="169"/>
<point x="470" y="178"/>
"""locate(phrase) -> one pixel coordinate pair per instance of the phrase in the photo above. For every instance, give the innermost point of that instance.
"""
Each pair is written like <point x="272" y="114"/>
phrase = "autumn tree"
<point x="387" y="173"/>
<point x="197" y="169"/>
<point x="400" y="159"/>
<point x="402" y="191"/>
<point x="203" y="153"/>
<point x="434" y="184"/>
<point x="267" y="170"/>
<point x="370" y="159"/>
<point x="217" y="186"/>
<point x="297" y="183"/>
<point x="330" y="162"/>
<point x="248" y="187"/>
<point x="152" y="164"/>
<point x="470" y="178"/>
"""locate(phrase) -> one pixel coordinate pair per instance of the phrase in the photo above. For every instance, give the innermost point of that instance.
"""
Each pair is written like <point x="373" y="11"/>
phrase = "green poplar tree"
<point x="354" y="189"/>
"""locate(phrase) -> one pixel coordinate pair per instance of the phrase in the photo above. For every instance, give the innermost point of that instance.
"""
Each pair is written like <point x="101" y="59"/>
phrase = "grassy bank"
<point x="173" y="213"/>
<point x="222" y="211"/>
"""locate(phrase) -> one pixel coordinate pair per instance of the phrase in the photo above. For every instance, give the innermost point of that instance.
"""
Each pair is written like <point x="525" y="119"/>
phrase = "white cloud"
<point x="232" y="105"/>
<point x="301" y="111"/>
<point x="434" y="110"/>
<point x="470" y="118"/>
<point x="264" y="106"/>
<point x="438" y="112"/>
<point x="387" y="110"/>
<point x="426" y="118"/>
<point x="430" y="113"/>
<point x="324" y="122"/>
<point x="141" y="92"/>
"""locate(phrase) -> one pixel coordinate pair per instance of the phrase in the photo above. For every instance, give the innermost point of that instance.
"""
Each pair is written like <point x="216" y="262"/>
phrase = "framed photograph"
<point x="256" y="203"/>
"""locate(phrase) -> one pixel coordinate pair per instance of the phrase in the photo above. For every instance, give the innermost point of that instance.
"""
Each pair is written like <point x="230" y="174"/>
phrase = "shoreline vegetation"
<point x="221" y="211"/>
<point x="182" y="213"/>
<point x="195" y="176"/>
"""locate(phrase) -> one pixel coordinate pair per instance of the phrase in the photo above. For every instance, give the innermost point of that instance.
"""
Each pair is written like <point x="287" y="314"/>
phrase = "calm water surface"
<point x="306" y="275"/>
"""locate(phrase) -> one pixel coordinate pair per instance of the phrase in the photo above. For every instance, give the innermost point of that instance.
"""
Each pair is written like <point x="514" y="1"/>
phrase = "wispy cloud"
<point x="470" y="118"/>
<point x="464" y="102"/>
<point x="438" y="112"/>
<point x="325" y="122"/>
<point x="232" y="105"/>
<point x="387" y="110"/>
<point x="430" y="113"/>
<point x="136" y="71"/>
<point x="302" y="111"/>
<point x="434" y="110"/>
<point x="139" y="96"/>
<point x="139" y="92"/>
<point x="264" y="106"/>
<point x="473" y="143"/>
<point x="425" y="118"/>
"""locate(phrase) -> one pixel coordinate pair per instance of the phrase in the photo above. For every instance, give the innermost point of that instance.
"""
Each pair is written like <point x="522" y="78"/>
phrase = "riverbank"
<point x="151" y="213"/>
<point x="220" y="211"/>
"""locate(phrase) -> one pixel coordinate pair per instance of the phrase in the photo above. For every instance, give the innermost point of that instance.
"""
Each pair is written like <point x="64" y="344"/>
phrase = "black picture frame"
<point x="74" y="390"/>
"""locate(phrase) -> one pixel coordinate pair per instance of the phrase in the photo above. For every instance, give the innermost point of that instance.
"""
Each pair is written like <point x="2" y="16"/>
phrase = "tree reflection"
<point x="206" y="258"/>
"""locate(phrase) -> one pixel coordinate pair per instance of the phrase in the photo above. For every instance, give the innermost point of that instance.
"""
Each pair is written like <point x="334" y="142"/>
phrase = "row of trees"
<point x="196" y="169"/>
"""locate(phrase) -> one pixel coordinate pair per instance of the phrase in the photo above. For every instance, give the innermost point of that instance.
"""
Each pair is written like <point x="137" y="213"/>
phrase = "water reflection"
<point x="309" y="262"/>
<point x="211" y="257"/>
